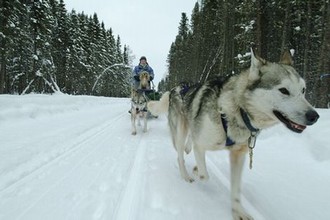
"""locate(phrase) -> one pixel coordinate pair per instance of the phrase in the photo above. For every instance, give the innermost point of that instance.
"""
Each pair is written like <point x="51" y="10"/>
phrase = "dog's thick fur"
<point x="267" y="92"/>
<point x="138" y="110"/>
<point x="144" y="80"/>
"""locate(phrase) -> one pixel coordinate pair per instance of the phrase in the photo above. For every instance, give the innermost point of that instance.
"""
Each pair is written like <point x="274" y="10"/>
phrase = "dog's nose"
<point x="311" y="117"/>
<point x="137" y="109"/>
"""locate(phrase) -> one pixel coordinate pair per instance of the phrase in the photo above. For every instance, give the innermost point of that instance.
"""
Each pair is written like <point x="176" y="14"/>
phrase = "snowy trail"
<point x="70" y="158"/>
<point x="128" y="204"/>
<point x="77" y="145"/>
<point x="46" y="180"/>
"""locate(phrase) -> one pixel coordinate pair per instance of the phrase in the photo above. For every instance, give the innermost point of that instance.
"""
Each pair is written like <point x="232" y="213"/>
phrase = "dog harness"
<point x="229" y="141"/>
<point x="253" y="137"/>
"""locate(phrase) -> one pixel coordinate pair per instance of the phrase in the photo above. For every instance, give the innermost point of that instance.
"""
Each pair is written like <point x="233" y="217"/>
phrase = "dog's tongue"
<point x="297" y="126"/>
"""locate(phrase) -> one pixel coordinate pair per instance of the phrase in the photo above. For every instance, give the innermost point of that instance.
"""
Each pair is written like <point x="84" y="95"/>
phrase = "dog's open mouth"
<point x="290" y="124"/>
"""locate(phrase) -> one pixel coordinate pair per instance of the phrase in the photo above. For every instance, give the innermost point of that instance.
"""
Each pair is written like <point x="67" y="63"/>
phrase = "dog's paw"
<point x="202" y="177"/>
<point x="133" y="132"/>
<point x="189" y="179"/>
<point x="195" y="170"/>
<point x="241" y="215"/>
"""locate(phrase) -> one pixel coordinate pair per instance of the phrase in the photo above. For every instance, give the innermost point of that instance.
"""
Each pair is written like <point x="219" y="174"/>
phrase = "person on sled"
<point x="143" y="66"/>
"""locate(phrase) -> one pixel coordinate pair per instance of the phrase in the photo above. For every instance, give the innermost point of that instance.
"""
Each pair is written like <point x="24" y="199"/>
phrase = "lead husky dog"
<point x="229" y="115"/>
<point x="138" y="110"/>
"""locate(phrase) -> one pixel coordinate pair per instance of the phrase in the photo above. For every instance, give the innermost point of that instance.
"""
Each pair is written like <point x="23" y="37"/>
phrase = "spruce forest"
<point x="217" y="39"/>
<point x="45" y="49"/>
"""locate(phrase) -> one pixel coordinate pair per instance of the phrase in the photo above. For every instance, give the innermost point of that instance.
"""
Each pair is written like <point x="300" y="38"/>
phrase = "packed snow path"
<point x="73" y="157"/>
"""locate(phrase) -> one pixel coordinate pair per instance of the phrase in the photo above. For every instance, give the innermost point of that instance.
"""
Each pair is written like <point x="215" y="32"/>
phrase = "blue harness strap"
<point x="247" y="121"/>
<point x="184" y="90"/>
<point x="254" y="131"/>
<point x="229" y="142"/>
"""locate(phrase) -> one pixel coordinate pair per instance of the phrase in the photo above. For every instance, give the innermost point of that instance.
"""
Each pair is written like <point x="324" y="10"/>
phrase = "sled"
<point x="151" y="94"/>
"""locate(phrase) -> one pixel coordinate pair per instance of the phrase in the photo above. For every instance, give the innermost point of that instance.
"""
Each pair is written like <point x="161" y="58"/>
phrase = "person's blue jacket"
<point x="139" y="68"/>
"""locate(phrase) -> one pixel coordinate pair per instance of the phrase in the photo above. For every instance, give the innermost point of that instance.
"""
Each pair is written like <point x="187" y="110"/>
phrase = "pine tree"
<point x="60" y="43"/>
<point x="322" y="85"/>
<point x="8" y="22"/>
<point x="222" y="32"/>
<point x="196" y="43"/>
<point x="45" y="49"/>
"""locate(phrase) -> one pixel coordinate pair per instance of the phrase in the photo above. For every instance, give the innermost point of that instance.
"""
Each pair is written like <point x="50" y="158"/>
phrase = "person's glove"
<point x="137" y="77"/>
<point x="151" y="78"/>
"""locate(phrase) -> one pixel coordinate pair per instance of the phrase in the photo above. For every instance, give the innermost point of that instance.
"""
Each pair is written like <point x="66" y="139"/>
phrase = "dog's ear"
<point x="256" y="61"/>
<point x="133" y="92"/>
<point x="256" y="64"/>
<point x="286" y="58"/>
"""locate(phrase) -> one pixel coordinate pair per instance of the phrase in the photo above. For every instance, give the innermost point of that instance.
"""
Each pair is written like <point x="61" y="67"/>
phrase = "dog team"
<point x="229" y="114"/>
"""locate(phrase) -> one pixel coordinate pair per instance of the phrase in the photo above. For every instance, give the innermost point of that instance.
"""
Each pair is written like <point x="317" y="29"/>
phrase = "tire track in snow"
<point x="128" y="206"/>
<point x="86" y="150"/>
<point x="111" y="173"/>
<point x="76" y="146"/>
<point x="55" y="184"/>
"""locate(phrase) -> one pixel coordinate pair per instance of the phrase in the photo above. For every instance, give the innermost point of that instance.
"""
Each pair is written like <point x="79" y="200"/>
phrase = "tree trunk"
<point x="286" y="27"/>
<point x="6" y="10"/>
<point x="261" y="28"/>
<point x="2" y="73"/>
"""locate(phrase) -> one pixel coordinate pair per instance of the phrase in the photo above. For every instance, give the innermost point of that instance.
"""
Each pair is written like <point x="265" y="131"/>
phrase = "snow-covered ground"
<point x="73" y="157"/>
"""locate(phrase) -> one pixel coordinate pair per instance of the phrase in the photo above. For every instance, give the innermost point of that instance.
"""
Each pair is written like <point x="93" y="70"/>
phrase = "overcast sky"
<point x="148" y="27"/>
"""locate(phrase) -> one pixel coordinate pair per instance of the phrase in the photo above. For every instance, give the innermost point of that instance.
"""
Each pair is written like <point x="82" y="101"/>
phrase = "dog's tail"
<point x="161" y="106"/>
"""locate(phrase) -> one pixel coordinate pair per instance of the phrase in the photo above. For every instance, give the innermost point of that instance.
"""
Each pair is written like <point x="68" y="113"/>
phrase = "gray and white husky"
<point x="230" y="114"/>
<point x="138" y="110"/>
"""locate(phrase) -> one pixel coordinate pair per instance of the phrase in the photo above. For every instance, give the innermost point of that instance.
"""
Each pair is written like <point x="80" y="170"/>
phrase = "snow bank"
<point x="37" y="105"/>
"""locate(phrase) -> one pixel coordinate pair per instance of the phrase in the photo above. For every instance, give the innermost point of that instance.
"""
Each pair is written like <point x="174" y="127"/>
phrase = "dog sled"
<point x="151" y="94"/>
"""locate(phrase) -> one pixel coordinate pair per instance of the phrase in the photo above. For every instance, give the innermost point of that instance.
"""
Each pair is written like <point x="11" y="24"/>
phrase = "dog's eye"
<point x="284" y="91"/>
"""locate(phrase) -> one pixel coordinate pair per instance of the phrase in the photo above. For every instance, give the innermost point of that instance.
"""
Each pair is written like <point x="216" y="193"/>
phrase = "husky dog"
<point x="144" y="80"/>
<point x="229" y="115"/>
<point x="138" y="110"/>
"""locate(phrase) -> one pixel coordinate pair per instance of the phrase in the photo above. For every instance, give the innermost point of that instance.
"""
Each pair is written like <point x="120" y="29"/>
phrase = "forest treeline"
<point x="45" y="49"/>
<point x="216" y="40"/>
